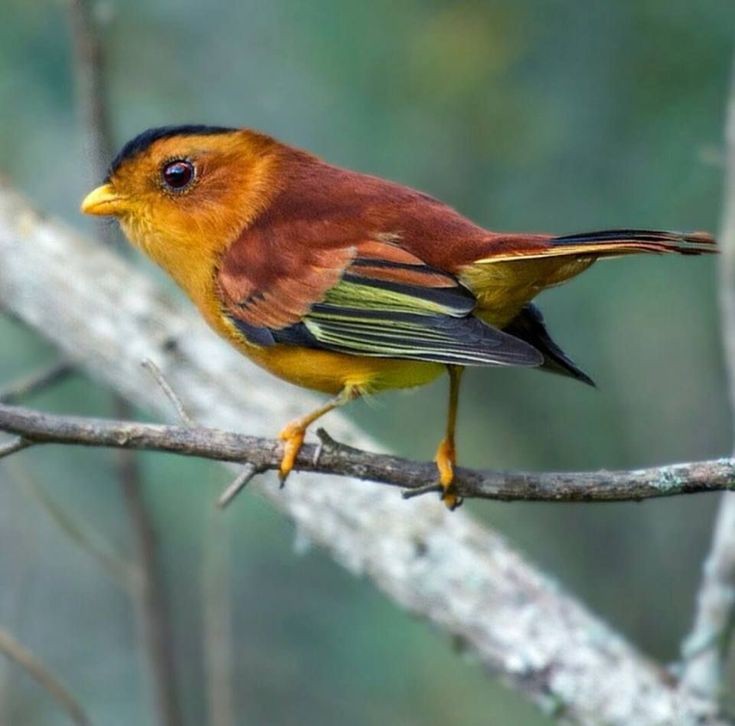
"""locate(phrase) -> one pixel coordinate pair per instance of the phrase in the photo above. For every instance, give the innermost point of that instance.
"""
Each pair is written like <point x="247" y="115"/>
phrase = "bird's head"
<point x="179" y="191"/>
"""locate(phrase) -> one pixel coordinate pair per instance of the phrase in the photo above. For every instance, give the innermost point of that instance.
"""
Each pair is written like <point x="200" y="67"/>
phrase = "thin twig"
<point x="238" y="484"/>
<point x="14" y="446"/>
<point x="420" y="491"/>
<point x="35" y="382"/>
<point x="157" y="374"/>
<point x="706" y="647"/>
<point x="20" y="655"/>
<point x="263" y="454"/>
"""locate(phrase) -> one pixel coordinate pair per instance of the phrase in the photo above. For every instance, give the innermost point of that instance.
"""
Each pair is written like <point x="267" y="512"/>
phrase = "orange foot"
<point x="292" y="436"/>
<point x="445" y="459"/>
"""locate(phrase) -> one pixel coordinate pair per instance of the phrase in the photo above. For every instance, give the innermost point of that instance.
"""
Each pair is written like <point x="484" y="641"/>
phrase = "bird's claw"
<point x="445" y="459"/>
<point x="293" y="438"/>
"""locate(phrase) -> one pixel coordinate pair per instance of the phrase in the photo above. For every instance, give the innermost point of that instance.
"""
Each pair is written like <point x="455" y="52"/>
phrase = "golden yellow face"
<point x="176" y="190"/>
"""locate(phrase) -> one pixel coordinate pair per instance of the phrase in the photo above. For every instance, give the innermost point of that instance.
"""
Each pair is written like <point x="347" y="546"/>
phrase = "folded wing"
<point x="370" y="298"/>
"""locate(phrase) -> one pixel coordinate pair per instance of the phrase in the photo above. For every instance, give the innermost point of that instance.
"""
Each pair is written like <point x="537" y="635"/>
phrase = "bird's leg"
<point x="292" y="434"/>
<point x="446" y="453"/>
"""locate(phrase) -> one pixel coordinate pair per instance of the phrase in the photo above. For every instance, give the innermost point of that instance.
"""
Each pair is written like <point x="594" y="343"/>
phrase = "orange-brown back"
<point x="321" y="211"/>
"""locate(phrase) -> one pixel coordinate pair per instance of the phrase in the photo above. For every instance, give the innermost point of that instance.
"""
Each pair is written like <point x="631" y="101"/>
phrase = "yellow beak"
<point x="102" y="201"/>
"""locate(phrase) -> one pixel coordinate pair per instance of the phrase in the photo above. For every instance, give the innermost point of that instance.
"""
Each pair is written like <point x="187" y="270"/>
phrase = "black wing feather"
<point x="529" y="325"/>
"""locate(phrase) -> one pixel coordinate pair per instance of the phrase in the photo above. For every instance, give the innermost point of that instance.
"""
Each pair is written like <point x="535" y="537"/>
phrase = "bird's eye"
<point x="177" y="175"/>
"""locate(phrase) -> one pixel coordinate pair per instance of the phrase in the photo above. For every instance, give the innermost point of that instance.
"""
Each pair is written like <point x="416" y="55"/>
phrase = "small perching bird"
<point x="342" y="282"/>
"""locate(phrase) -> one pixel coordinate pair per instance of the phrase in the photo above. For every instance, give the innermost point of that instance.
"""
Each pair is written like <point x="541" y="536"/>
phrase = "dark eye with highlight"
<point x="177" y="175"/>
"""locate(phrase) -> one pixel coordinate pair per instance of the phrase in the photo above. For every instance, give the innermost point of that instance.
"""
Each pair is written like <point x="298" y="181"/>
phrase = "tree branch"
<point x="261" y="454"/>
<point x="443" y="566"/>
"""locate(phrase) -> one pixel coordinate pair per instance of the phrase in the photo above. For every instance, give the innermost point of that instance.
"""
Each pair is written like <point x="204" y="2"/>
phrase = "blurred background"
<point x="557" y="116"/>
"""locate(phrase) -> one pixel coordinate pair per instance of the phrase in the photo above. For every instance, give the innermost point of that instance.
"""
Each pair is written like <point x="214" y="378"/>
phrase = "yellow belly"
<point x="331" y="372"/>
<point x="320" y="370"/>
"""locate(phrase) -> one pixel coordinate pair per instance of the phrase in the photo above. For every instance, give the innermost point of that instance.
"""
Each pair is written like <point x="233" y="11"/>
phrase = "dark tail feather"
<point x="529" y="326"/>
<point x="620" y="241"/>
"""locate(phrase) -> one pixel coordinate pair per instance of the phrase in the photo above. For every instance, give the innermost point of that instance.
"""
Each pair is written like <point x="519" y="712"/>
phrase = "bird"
<point x="343" y="282"/>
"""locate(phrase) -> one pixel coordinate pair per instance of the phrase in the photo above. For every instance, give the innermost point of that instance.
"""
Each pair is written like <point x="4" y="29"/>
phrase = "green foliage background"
<point x="553" y="115"/>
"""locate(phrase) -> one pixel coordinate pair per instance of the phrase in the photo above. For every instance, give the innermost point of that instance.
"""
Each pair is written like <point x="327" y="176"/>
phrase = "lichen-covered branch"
<point x="106" y="317"/>
<point x="35" y="427"/>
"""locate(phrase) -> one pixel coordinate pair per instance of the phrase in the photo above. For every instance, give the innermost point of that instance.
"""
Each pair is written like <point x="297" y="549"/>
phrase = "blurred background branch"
<point x="706" y="648"/>
<point x="218" y="636"/>
<point x="125" y="574"/>
<point x="21" y="656"/>
<point x="151" y="600"/>
<point x="91" y="91"/>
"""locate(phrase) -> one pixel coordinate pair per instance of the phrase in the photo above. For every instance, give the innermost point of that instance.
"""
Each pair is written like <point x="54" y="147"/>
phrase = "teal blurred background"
<point x="549" y="115"/>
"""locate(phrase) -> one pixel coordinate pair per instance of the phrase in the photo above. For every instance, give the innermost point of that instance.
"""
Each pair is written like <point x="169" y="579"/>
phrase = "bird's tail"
<point x="622" y="241"/>
<point x="607" y="243"/>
